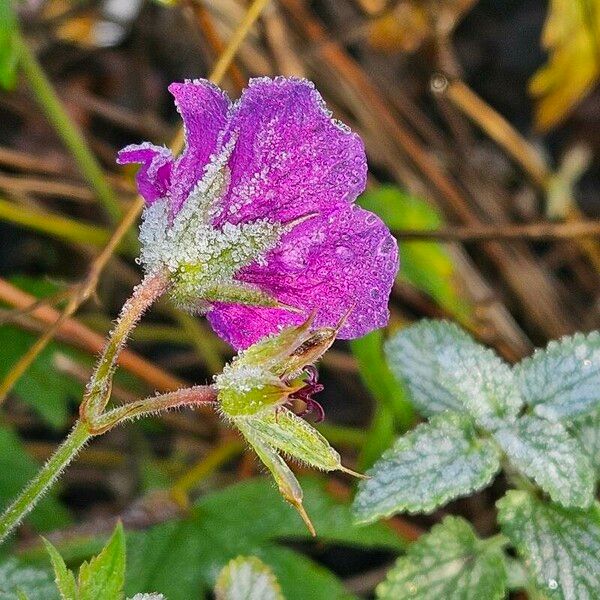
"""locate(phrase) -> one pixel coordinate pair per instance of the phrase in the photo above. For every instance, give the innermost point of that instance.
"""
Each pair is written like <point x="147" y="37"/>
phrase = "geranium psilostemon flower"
<point x="257" y="215"/>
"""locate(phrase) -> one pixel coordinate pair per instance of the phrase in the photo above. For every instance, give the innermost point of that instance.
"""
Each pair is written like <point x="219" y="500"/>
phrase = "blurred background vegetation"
<point x="482" y="125"/>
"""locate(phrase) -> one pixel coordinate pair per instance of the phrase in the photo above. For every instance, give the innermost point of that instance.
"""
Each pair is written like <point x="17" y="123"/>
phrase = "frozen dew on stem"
<point x="256" y="221"/>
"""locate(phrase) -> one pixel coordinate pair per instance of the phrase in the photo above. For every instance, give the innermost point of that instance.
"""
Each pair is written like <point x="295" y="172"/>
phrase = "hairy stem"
<point x="98" y="392"/>
<point x="46" y="476"/>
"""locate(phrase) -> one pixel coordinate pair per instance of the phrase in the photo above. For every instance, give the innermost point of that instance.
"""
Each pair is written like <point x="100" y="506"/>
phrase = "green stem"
<point x="36" y="488"/>
<point x="69" y="132"/>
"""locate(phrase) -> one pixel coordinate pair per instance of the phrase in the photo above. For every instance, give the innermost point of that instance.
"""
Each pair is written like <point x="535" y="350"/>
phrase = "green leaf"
<point x="103" y="577"/>
<point x="436" y="462"/>
<point x="563" y="381"/>
<point x="65" y="580"/>
<point x="15" y="578"/>
<point x="586" y="431"/>
<point x="378" y="378"/>
<point x="544" y="451"/>
<point x="449" y="562"/>
<point x="425" y="265"/>
<point x="447" y="370"/>
<point x="9" y="49"/>
<point x="247" y="519"/>
<point x="48" y="391"/>
<point x="147" y="597"/>
<point x="560" y="546"/>
<point x="247" y="578"/>
<point x="16" y="469"/>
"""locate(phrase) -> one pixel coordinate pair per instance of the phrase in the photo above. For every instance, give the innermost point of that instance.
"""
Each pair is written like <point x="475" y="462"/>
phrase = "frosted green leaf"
<point x="544" y="451"/>
<point x="449" y="562"/>
<point x="247" y="578"/>
<point x="104" y="575"/>
<point x="288" y="433"/>
<point x="560" y="546"/>
<point x="436" y="462"/>
<point x="586" y="430"/>
<point x="35" y="583"/>
<point x="563" y="380"/>
<point x="447" y="370"/>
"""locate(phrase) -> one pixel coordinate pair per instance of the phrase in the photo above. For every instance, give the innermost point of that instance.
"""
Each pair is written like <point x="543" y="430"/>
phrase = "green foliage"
<point x="446" y="369"/>
<point x="438" y="461"/>
<point x="16" y="469"/>
<point x="586" y="431"/>
<point x="48" y="391"/>
<point x="19" y="581"/>
<point x="560" y="547"/>
<point x="563" y="381"/>
<point x="102" y="578"/>
<point x="219" y="529"/>
<point x="393" y="406"/>
<point x="247" y="578"/>
<point x="425" y="265"/>
<point x="9" y="49"/>
<point x="449" y="562"/>
<point x="104" y="575"/>
<point x="546" y="453"/>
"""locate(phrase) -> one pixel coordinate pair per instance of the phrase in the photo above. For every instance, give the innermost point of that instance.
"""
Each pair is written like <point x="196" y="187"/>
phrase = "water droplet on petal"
<point x="344" y="253"/>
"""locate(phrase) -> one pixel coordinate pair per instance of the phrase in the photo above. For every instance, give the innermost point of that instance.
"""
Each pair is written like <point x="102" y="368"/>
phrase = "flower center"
<point x="302" y="403"/>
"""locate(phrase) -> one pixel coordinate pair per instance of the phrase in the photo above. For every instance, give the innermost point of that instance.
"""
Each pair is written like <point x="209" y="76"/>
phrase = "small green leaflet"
<point x="248" y="518"/>
<point x="425" y="265"/>
<point x="449" y="562"/>
<point x="560" y="546"/>
<point x="544" y="451"/>
<point x="436" y="462"/>
<point x="447" y="370"/>
<point x="586" y="430"/>
<point x="563" y="381"/>
<point x="37" y="584"/>
<point x="247" y="578"/>
<point x="104" y="575"/>
<point x="65" y="580"/>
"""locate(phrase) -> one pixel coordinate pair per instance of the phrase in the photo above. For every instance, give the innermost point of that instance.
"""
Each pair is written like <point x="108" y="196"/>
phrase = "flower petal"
<point x="154" y="177"/>
<point x="342" y="263"/>
<point x="290" y="158"/>
<point x="204" y="109"/>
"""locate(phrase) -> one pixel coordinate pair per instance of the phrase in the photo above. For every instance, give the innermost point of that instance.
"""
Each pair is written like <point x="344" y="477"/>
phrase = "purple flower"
<point x="257" y="215"/>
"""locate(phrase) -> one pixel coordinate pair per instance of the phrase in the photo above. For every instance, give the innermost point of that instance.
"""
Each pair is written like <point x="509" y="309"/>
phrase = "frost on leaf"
<point x="35" y="583"/>
<point x="449" y="562"/>
<point x="447" y="370"/>
<point x="560" y="546"/>
<point x="247" y="578"/>
<point x="436" y="462"/>
<point x="586" y="430"/>
<point x="563" y="380"/>
<point x="545" y="452"/>
<point x="148" y="597"/>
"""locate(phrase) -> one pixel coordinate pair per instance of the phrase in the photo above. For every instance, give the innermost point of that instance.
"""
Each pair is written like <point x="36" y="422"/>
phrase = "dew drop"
<point x="587" y="362"/>
<point x="552" y="584"/>
<point x="370" y="219"/>
<point x="344" y="253"/>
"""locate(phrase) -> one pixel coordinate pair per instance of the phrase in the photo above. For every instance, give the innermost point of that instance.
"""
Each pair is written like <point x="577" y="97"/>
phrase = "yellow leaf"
<point x="572" y="37"/>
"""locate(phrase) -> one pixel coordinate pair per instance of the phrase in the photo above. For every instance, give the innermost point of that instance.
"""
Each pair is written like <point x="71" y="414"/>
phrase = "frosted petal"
<point x="290" y="157"/>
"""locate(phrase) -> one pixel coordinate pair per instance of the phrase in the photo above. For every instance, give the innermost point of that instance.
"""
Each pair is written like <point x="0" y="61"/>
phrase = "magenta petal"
<point x="204" y="109"/>
<point x="154" y="177"/>
<point x="290" y="158"/>
<point x="343" y="263"/>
